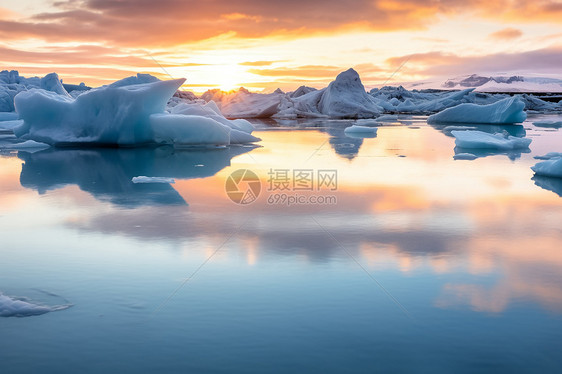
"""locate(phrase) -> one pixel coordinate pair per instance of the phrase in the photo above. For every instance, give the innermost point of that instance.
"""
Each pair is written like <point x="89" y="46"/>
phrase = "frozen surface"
<point x="13" y="307"/>
<point x="549" y="168"/>
<point x="509" y="110"/>
<point x="145" y="179"/>
<point x="484" y="140"/>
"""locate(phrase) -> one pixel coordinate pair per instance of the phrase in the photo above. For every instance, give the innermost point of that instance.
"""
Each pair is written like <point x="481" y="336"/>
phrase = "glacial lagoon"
<point x="387" y="255"/>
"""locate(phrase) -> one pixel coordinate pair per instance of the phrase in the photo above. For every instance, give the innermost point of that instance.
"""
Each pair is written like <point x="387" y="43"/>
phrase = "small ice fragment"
<point x="465" y="156"/>
<point x="361" y="129"/>
<point x="144" y="179"/>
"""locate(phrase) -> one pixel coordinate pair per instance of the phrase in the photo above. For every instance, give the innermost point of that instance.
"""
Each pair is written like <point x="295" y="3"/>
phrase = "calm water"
<point x="420" y="264"/>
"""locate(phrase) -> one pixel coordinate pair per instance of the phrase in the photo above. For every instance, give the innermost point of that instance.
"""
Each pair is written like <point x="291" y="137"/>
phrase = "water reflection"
<point x="107" y="173"/>
<point x="548" y="183"/>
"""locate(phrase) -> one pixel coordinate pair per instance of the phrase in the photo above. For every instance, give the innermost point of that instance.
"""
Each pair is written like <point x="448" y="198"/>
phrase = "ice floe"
<point x="14" y="307"/>
<point x="356" y="129"/>
<point x="509" y="110"/>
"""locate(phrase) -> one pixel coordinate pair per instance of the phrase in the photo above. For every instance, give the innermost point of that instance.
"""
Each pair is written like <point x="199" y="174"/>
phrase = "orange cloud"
<point x="506" y="34"/>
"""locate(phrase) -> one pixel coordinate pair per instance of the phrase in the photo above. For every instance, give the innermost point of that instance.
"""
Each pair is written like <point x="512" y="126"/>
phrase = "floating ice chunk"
<point x="465" y="156"/>
<point x="11" y="307"/>
<point x="549" y="168"/>
<point x="144" y="179"/>
<point x="508" y="110"/>
<point x="181" y="129"/>
<point x="549" y="156"/>
<point x="28" y="144"/>
<point x="361" y="129"/>
<point x="483" y="140"/>
<point x="553" y="125"/>
<point x="106" y="115"/>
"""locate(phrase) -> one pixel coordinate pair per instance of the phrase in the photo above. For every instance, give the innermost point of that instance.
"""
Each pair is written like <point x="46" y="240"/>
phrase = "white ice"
<point x="509" y="110"/>
<point x="484" y="140"/>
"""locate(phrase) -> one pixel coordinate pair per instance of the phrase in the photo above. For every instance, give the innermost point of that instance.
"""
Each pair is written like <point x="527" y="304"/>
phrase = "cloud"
<point x="174" y="22"/>
<point x="257" y="63"/>
<point x="546" y="60"/>
<point x="506" y="34"/>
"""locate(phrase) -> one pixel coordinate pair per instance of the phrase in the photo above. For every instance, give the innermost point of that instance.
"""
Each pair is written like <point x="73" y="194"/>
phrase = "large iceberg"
<point x="509" y="110"/>
<point x="483" y="140"/>
<point x="129" y="112"/>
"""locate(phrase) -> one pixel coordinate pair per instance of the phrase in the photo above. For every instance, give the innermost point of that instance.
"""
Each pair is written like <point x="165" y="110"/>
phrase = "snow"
<point x="144" y="179"/>
<point x="549" y="168"/>
<point x="360" y="129"/>
<point x="12" y="307"/>
<point x="509" y="110"/>
<point x="484" y="140"/>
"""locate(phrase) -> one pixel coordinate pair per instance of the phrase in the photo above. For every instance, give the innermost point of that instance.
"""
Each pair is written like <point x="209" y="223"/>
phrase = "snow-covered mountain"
<point x="495" y="83"/>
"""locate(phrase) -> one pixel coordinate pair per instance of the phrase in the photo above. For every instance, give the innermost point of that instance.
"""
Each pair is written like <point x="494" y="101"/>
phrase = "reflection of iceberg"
<point x="107" y="173"/>
<point x="478" y="153"/>
<point x="513" y="130"/>
<point x="343" y="145"/>
<point x="548" y="183"/>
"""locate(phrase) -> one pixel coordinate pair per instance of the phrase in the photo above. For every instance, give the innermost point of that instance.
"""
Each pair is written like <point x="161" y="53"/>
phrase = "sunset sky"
<point x="263" y="45"/>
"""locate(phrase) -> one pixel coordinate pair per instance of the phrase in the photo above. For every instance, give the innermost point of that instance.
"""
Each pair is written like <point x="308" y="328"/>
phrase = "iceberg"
<point x="483" y="140"/>
<point x="129" y="112"/>
<point x="549" y="168"/>
<point x="509" y="110"/>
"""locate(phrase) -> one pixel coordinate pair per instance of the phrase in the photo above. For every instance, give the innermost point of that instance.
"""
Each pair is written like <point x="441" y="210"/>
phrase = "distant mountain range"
<point x="499" y="83"/>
